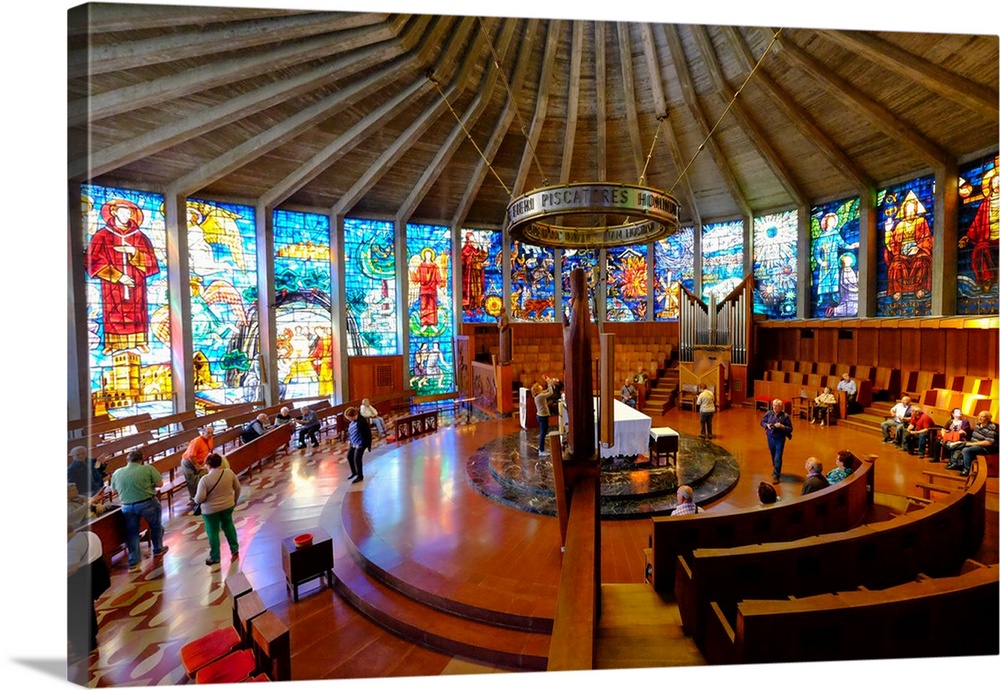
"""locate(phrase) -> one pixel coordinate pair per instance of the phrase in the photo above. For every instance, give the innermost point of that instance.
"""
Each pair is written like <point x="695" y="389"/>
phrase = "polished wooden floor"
<point x="416" y="519"/>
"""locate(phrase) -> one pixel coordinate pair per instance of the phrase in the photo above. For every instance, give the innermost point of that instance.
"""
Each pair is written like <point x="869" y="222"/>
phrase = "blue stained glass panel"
<point x="222" y="257"/>
<point x="532" y="283"/>
<point x="979" y="236"/>
<point x="128" y="312"/>
<point x="587" y="259"/>
<point x="627" y="283"/>
<point x="370" y="287"/>
<point x="905" y="248"/>
<point x="721" y="258"/>
<point x="673" y="262"/>
<point x="775" y="249"/>
<point x="304" y="311"/>
<point x="482" y="275"/>
<point x="430" y="314"/>
<point x="835" y="232"/>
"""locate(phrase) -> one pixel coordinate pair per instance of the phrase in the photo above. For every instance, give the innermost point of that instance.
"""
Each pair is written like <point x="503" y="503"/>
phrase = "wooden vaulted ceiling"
<point x="444" y="118"/>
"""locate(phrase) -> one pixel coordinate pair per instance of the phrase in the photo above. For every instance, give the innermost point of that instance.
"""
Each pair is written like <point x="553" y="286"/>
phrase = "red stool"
<point x="233" y="668"/>
<point x="208" y="648"/>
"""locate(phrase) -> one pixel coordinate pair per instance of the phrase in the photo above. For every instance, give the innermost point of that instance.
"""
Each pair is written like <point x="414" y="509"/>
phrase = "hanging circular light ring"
<point x="650" y="214"/>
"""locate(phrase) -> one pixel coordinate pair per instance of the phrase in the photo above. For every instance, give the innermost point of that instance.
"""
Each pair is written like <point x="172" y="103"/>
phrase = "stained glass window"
<point x="222" y="256"/>
<point x="303" y="313"/>
<point x="128" y="313"/>
<point x="979" y="236"/>
<point x="905" y="248"/>
<point x="835" y="231"/>
<point x="673" y="262"/>
<point x="370" y="287"/>
<point x="482" y="275"/>
<point x="775" y="248"/>
<point x="721" y="258"/>
<point x="532" y="283"/>
<point x="587" y="259"/>
<point x="430" y="314"/>
<point x="627" y="286"/>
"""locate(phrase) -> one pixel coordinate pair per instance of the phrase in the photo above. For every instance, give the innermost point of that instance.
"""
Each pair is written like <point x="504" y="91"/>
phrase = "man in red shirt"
<point x="193" y="460"/>
<point x="918" y="432"/>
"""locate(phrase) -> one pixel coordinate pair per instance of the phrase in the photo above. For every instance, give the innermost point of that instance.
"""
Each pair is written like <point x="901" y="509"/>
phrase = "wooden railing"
<point x="839" y="507"/>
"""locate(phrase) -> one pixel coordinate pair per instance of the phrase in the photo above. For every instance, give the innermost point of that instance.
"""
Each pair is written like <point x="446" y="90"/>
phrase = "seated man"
<point x="917" y="433"/>
<point x="630" y="396"/>
<point x="254" y="429"/>
<point x="88" y="474"/>
<point x="685" y="502"/>
<point x="308" y="427"/>
<point x="815" y="479"/>
<point x="821" y="406"/>
<point x="983" y="441"/>
<point x="899" y="416"/>
<point x="369" y="412"/>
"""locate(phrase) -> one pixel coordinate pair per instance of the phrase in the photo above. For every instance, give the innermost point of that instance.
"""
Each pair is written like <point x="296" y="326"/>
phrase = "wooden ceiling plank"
<point x="236" y="35"/>
<point x="954" y="87"/>
<point x="765" y="150"/>
<point x="458" y="133"/>
<point x="660" y="103"/>
<point x="240" y="106"/>
<point x="691" y="99"/>
<point x="529" y="157"/>
<point x="99" y="17"/>
<point x="572" y="101"/>
<point x="601" y="78"/>
<point x="503" y="122"/>
<point x="126" y="99"/>
<point x="850" y="95"/>
<point x="631" y="114"/>
<point x="447" y="68"/>
<point x="786" y="103"/>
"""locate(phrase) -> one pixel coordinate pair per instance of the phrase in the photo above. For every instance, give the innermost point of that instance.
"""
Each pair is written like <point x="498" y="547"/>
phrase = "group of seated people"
<point x="912" y="430"/>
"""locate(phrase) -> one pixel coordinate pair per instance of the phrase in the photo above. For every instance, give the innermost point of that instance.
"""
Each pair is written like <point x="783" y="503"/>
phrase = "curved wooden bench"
<point x="948" y="616"/>
<point x="834" y="509"/>
<point x="934" y="540"/>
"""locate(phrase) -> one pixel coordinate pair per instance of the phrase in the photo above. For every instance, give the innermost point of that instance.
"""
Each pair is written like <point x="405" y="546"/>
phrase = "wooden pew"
<point x="219" y="415"/>
<point x="243" y="459"/>
<point x="836" y="508"/>
<point x="116" y="425"/>
<point x="118" y="445"/>
<point x="933" y="540"/>
<point x="929" y="617"/>
<point x="171" y="423"/>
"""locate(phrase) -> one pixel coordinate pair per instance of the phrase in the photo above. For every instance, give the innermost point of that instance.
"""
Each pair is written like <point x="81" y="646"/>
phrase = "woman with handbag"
<point x="217" y="494"/>
<point x="953" y="436"/>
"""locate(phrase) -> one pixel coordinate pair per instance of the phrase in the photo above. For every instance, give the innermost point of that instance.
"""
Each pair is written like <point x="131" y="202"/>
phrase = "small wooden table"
<point x="308" y="562"/>
<point x="663" y="441"/>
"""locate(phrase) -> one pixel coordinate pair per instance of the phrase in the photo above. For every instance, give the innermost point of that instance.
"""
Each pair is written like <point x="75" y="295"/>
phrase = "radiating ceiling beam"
<point x="745" y="121"/>
<point x="191" y="81"/>
<point x="784" y="101"/>
<point x="848" y="94"/>
<point x="965" y="92"/>
<point x="629" y="98"/>
<point x="446" y="69"/>
<point x="457" y="135"/>
<point x="601" y="91"/>
<point x="662" y="110"/>
<point x="499" y="132"/>
<point x="529" y="156"/>
<point x="572" y="101"/>
<point x="234" y="35"/>
<point x="229" y="111"/>
<point x="347" y="140"/>
<point x="100" y="17"/>
<point x="691" y="99"/>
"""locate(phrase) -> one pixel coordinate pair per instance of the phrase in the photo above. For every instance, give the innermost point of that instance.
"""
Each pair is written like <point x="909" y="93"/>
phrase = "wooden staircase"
<point x="663" y="393"/>
<point x="871" y="419"/>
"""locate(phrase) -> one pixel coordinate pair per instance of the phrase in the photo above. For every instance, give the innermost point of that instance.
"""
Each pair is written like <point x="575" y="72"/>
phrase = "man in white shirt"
<point x="369" y="412"/>
<point x="899" y="416"/>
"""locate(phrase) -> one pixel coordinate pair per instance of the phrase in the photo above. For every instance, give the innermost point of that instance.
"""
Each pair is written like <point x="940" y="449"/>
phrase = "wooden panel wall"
<point x="953" y="351"/>
<point x="365" y="380"/>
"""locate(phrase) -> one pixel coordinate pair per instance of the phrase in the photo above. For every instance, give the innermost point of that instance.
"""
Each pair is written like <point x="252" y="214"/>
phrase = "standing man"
<point x="899" y="417"/>
<point x="706" y="409"/>
<point x="359" y="435"/>
<point x="849" y="387"/>
<point x="136" y="485"/>
<point x="778" y="428"/>
<point x="541" y="397"/>
<point x="193" y="461"/>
